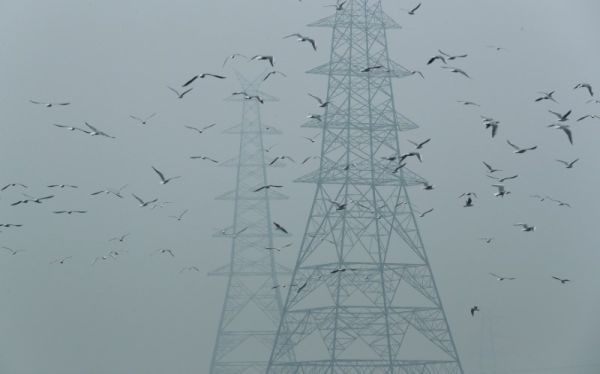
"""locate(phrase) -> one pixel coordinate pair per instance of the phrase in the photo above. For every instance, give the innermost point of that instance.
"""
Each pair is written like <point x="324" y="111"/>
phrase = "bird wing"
<point x="316" y="98"/>
<point x="500" y="187"/>
<point x="209" y="126"/>
<point x="185" y="92"/>
<point x="312" y="42"/>
<point x="35" y="102"/>
<point x="137" y="198"/>
<point x="216" y="76"/>
<point x="134" y="117"/>
<point x="569" y="134"/>
<point x="494" y="130"/>
<point x="290" y="35"/>
<point x="162" y="177"/>
<point x="190" y="81"/>
<point x="512" y="145"/>
<point x="174" y="90"/>
<point x="415" y="8"/>
<point x="91" y="127"/>
<point x="556" y="114"/>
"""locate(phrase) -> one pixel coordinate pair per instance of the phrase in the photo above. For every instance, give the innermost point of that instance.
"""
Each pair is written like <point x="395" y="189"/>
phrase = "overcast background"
<point x="114" y="58"/>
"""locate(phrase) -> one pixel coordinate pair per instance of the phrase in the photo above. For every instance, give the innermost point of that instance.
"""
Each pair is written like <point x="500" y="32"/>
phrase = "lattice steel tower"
<point x="365" y="300"/>
<point x="252" y="306"/>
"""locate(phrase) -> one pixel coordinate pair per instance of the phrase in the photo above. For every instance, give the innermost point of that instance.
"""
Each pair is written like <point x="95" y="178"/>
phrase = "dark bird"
<point x="546" y="96"/>
<point x="421" y="144"/>
<point x="588" y="116"/>
<point x="487" y="240"/>
<point x="283" y="157"/>
<point x="142" y="202"/>
<point x="473" y="310"/>
<point x="200" y="131"/>
<point x="30" y="199"/>
<point x="204" y="158"/>
<point x="279" y="249"/>
<point x="436" y="57"/>
<point x="180" y="216"/>
<point x="280" y="228"/>
<point x="427" y="186"/>
<point x="202" y="76"/>
<point x="302" y="38"/>
<point x="69" y="211"/>
<point x="456" y="70"/>
<point x="189" y="268"/>
<point x="561" y="280"/>
<point x="493" y="125"/>
<point x="308" y="158"/>
<point x="468" y="194"/>
<point x="9" y="225"/>
<point x="338" y="6"/>
<point x="410" y="154"/>
<point x="233" y="56"/>
<point x="413" y="10"/>
<point x="180" y="95"/>
<point x="425" y="212"/>
<point x="368" y="69"/>
<point x="586" y="86"/>
<point x="490" y="168"/>
<point x="263" y="58"/>
<point x="561" y="117"/>
<point x="143" y="121"/>
<point x="48" y="105"/>
<point x="167" y="251"/>
<point x="413" y="72"/>
<point x="568" y="165"/>
<point x="163" y="180"/>
<point x="468" y="203"/>
<point x="246" y="96"/>
<point x="322" y="103"/>
<point x="501" y="180"/>
<point x="273" y="73"/>
<point x="466" y="102"/>
<point x="525" y="227"/>
<point x="339" y="206"/>
<point x="451" y="57"/>
<point x="13" y="185"/>
<point x="266" y="187"/>
<point x="519" y="150"/>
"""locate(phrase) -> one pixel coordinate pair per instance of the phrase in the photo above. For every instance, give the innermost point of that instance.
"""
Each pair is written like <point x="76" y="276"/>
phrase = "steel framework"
<point x="252" y="305"/>
<point x="365" y="300"/>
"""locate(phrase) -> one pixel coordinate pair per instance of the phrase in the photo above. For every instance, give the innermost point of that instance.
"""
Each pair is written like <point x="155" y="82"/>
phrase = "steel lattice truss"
<point x="363" y="297"/>
<point x="252" y="306"/>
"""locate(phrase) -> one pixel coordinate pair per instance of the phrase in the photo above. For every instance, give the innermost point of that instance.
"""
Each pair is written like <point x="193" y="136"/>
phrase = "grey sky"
<point x="114" y="58"/>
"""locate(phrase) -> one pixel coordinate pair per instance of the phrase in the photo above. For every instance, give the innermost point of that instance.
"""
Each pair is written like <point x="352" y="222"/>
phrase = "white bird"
<point x="233" y="56"/>
<point x="202" y="76"/>
<point x="94" y="131"/>
<point x="180" y="95"/>
<point x="521" y="150"/>
<point x="568" y="165"/>
<point x="490" y="168"/>
<point x="322" y="103"/>
<point x="456" y="70"/>
<point x="501" y="190"/>
<point x="62" y="186"/>
<point x="246" y="96"/>
<point x="546" y="96"/>
<point x="143" y="121"/>
<point x="500" y="278"/>
<point x="561" y="117"/>
<point x="273" y="72"/>
<point x="588" y="116"/>
<point x="71" y="128"/>
<point x="421" y="144"/>
<point x="263" y="58"/>
<point x="142" y="202"/>
<point x="503" y="179"/>
<point x="566" y="129"/>
<point x="204" y="158"/>
<point x="314" y="116"/>
<point x="163" y="180"/>
<point x="451" y="57"/>
<point x="302" y="38"/>
<point x="586" y="86"/>
<point x="48" y="105"/>
<point x="283" y="157"/>
<point x="200" y="131"/>
<point x="525" y="227"/>
<point x="180" y="216"/>
<point x="69" y="212"/>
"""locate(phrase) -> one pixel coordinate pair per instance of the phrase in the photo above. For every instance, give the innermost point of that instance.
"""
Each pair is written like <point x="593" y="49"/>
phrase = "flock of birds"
<point x="561" y="122"/>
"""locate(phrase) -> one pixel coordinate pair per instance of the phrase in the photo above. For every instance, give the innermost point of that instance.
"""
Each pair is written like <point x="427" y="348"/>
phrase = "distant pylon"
<point x="365" y="299"/>
<point x="252" y="305"/>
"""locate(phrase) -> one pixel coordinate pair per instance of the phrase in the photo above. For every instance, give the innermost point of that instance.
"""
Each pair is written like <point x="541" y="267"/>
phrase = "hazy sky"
<point x="114" y="58"/>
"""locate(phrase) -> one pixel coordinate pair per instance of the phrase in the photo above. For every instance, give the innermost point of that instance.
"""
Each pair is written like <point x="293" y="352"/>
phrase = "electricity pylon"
<point x="253" y="302"/>
<point x="365" y="299"/>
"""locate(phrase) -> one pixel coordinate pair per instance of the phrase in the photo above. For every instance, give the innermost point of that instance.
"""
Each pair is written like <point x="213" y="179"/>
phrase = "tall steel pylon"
<point x="365" y="299"/>
<point x="252" y="305"/>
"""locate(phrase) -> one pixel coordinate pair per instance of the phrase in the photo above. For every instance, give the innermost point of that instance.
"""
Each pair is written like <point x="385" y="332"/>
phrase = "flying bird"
<point x="302" y="38"/>
<point x="61" y="260"/>
<point x="69" y="211"/>
<point x="474" y="309"/>
<point x="202" y="76"/>
<point x="315" y="116"/>
<point x="525" y="227"/>
<point x="283" y="157"/>
<point x="413" y="72"/>
<point x="279" y="249"/>
<point x="263" y="58"/>
<point x="561" y="280"/>
<point x="62" y="186"/>
<point x="436" y="57"/>
<point x="180" y="216"/>
<point x="501" y="190"/>
<point x="588" y="116"/>
<point x="546" y="96"/>
<point x="568" y="165"/>
<point x="500" y="278"/>
<point x="338" y="6"/>
<point x="13" y="251"/>
<point x="519" y="150"/>
<point x="561" y="117"/>
<point x="451" y="57"/>
<point x="421" y="144"/>
<point x="490" y="168"/>
<point x="163" y="180"/>
<point x="48" y="105"/>
<point x="280" y="228"/>
<point x="468" y="203"/>
<point x="13" y="185"/>
<point x="322" y="103"/>
<point x="266" y="187"/>
<point x="143" y="121"/>
<point x="425" y="212"/>
<point x="339" y="206"/>
<point x="456" y="70"/>
<point x="502" y="180"/>
<point x="180" y="95"/>
<point x="487" y="240"/>
<point x="142" y="202"/>
<point x="204" y="158"/>
<point x="167" y="251"/>
<point x="273" y="73"/>
<point x="369" y="68"/>
<point x="119" y="238"/>
<point x="30" y="199"/>
<point x="413" y="10"/>
<point x="466" y="102"/>
<point x="8" y="225"/>
<point x="110" y="191"/>
<point x="189" y="268"/>
<point x="95" y="132"/>
<point x="200" y="131"/>
<point x="586" y="86"/>
<point x="493" y="125"/>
